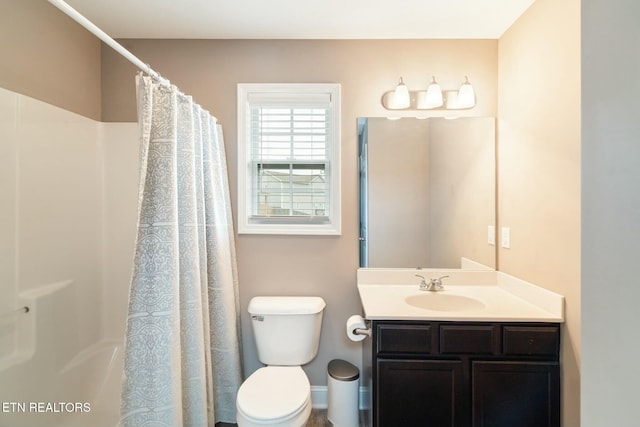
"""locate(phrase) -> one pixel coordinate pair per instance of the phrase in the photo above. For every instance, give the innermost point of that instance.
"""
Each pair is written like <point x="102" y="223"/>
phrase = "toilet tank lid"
<point x="286" y="305"/>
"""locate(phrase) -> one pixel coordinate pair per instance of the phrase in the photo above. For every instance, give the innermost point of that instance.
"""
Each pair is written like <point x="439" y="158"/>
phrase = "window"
<point x="289" y="158"/>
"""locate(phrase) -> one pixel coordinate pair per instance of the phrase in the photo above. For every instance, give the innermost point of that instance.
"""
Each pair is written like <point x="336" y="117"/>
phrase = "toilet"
<point x="287" y="334"/>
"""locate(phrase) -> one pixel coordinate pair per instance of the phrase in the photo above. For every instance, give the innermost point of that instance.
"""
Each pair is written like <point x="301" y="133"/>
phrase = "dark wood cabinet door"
<point x="508" y="394"/>
<point x="420" y="393"/>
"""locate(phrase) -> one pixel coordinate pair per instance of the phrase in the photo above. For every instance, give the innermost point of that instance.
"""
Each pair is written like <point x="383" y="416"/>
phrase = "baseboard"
<point x="319" y="397"/>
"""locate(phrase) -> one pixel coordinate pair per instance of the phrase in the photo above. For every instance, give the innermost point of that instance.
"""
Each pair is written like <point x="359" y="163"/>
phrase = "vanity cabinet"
<point x="454" y="374"/>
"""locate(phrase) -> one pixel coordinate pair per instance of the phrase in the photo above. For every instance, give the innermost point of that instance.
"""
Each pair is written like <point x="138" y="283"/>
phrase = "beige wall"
<point x="210" y="69"/>
<point x="45" y="55"/>
<point x="539" y="165"/>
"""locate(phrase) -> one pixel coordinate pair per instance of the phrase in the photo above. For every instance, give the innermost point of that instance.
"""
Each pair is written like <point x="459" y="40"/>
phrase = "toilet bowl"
<point x="274" y="396"/>
<point x="287" y="334"/>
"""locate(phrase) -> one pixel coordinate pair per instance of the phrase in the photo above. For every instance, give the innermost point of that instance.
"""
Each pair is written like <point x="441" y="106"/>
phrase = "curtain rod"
<point x="76" y="16"/>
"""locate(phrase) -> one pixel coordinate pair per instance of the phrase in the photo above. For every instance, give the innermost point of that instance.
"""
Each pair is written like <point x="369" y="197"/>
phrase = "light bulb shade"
<point x="466" y="95"/>
<point x="401" y="98"/>
<point x="434" y="95"/>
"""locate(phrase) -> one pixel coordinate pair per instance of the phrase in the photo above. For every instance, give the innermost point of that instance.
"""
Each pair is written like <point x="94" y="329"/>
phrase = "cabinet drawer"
<point x="415" y="339"/>
<point x="531" y="340"/>
<point x="468" y="339"/>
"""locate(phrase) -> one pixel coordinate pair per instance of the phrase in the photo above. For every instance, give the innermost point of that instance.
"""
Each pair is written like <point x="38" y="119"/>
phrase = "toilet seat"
<point x="275" y="396"/>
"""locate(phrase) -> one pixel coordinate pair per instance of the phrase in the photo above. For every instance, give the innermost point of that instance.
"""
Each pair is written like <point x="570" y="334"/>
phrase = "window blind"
<point x="290" y="152"/>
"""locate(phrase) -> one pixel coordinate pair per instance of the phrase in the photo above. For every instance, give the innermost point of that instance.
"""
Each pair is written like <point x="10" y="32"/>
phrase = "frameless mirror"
<point x="427" y="192"/>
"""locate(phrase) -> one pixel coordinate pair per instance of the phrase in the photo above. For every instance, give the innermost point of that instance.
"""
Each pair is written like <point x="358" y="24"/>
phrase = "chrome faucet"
<point x="433" y="285"/>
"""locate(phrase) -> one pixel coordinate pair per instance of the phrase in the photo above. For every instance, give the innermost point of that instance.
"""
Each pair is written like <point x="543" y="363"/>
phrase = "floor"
<point x="318" y="418"/>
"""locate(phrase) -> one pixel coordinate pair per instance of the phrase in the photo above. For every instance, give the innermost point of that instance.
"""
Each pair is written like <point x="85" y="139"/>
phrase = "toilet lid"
<point x="274" y="392"/>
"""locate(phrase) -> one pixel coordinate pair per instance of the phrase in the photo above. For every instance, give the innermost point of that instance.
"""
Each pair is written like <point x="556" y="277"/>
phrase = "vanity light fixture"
<point x="433" y="98"/>
<point x="401" y="97"/>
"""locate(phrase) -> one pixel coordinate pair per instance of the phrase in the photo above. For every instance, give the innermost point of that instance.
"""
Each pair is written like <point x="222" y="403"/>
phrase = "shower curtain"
<point x="182" y="350"/>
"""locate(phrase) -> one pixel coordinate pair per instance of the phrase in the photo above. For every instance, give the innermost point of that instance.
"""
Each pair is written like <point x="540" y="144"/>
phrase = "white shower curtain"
<point x="182" y="351"/>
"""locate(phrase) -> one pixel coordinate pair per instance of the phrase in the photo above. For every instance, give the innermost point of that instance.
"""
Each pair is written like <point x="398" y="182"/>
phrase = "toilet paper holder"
<point x="360" y="331"/>
<point x="357" y="328"/>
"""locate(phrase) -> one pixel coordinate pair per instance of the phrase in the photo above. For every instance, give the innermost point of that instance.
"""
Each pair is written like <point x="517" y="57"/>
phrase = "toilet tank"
<point x="286" y="329"/>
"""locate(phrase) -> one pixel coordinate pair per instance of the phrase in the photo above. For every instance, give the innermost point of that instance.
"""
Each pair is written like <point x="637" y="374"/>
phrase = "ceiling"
<point x="303" y="19"/>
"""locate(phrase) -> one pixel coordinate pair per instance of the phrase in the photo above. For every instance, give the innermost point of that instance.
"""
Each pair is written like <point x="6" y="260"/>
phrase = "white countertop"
<point x="504" y="298"/>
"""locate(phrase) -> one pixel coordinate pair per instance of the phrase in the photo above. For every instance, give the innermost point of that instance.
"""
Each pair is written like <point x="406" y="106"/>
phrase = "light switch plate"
<point x="505" y="237"/>
<point x="491" y="235"/>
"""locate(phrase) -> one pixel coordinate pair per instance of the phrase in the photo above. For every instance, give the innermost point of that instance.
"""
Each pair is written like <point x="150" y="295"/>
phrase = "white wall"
<point x="610" y="213"/>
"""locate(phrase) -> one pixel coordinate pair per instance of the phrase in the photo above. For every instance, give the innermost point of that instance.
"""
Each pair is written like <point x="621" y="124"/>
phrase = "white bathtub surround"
<point x="51" y="170"/>
<point x="34" y="329"/>
<point x="78" y="395"/>
<point x="383" y="293"/>
<point x="51" y="216"/>
<point x="49" y="366"/>
<point x="183" y="323"/>
<point x="69" y="194"/>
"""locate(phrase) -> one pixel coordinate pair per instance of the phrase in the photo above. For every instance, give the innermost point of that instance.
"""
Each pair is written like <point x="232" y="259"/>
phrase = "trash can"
<point x="342" y="393"/>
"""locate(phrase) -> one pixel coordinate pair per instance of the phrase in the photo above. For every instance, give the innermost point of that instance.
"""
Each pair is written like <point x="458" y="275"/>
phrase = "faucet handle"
<point x="423" y="282"/>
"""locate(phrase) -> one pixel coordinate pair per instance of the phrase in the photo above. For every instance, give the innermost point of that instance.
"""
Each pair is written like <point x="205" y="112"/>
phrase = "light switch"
<point x="505" y="238"/>
<point x="491" y="235"/>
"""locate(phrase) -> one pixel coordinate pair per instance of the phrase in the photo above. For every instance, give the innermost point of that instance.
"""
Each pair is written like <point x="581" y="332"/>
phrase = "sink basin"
<point x="439" y="301"/>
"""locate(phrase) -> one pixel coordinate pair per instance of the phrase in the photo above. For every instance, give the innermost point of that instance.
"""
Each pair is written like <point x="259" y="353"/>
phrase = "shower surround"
<point x="68" y="187"/>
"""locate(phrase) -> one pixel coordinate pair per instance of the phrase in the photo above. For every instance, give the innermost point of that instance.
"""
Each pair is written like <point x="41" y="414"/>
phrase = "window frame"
<point x="330" y="224"/>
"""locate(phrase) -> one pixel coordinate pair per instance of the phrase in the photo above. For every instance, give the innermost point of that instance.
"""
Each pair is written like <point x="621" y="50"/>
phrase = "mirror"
<point x="427" y="192"/>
